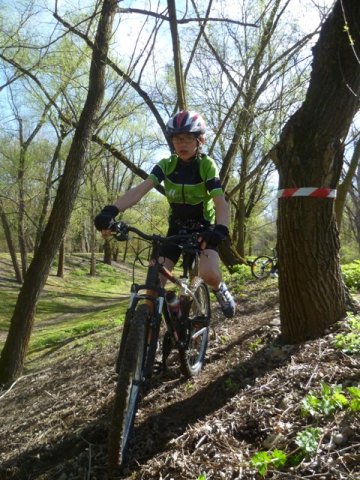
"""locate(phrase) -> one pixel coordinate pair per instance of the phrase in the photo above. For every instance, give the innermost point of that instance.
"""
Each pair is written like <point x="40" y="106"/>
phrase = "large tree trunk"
<point x="13" y="354"/>
<point x="310" y="154"/>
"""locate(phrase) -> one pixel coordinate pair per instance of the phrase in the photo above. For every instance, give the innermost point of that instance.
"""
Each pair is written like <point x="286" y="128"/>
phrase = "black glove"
<point x="215" y="234"/>
<point x="105" y="218"/>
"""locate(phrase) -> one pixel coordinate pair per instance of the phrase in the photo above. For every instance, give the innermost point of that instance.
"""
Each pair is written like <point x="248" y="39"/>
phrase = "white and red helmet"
<point x="186" y="122"/>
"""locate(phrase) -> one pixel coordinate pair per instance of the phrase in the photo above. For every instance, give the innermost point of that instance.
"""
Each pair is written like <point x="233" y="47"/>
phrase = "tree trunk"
<point x="13" y="354"/>
<point x="179" y="73"/>
<point x="60" y="269"/>
<point x="47" y="193"/>
<point x="10" y="244"/>
<point x="21" y="210"/>
<point x="310" y="154"/>
<point x="107" y="252"/>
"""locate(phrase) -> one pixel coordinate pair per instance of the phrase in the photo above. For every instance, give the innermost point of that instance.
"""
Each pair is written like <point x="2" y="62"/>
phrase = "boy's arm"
<point x="134" y="195"/>
<point x="221" y="210"/>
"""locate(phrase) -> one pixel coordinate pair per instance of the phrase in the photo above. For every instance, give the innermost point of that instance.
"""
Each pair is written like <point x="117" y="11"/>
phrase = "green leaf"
<point x="355" y="398"/>
<point x="261" y="461"/>
<point x="279" y="458"/>
<point x="308" y="440"/>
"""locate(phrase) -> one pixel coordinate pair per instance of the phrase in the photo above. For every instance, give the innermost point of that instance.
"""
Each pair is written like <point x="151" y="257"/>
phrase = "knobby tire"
<point x="128" y="389"/>
<point x="261" y="267"/>
<point x="128" y="316"/>
<point x="192" y="358"/>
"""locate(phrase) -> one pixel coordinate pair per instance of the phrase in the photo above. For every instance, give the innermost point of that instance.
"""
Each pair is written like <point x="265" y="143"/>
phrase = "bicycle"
<point x="264" y="265"/>
<point x="187" y="329"/>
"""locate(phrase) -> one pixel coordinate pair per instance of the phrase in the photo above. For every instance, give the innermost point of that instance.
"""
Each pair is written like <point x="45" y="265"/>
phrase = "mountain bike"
<point x="264" y="265"/>
<point x="186" y="311"/>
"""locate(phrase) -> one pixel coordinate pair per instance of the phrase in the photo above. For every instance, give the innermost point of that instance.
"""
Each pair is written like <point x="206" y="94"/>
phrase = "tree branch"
<point x="186" y="20"/>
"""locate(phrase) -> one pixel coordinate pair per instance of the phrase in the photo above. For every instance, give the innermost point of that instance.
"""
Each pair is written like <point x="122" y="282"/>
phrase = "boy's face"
<point x="185" y="145"/>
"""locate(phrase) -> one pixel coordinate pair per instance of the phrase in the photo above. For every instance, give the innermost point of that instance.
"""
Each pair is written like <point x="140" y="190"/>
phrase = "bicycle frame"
<point x="153" y="294"/>
<point x="139" y="341"/>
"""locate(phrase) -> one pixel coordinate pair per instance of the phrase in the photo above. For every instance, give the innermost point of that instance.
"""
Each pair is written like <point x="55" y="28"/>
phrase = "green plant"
<point x="351" y="275"/>
<point x="224" y="339"/>
<point x="349" y="342"/>
<point x="308" y="440"/>
<point x="329" y="400"/>
<point x="240" y="275"/>
<point x="202" y="477"/>
<point x="263" y="460"/>
<point x="231" y="385"/>
<point x="254" y="346"/>
<point x="354" y="393"/>
<point x="188" y="386"/>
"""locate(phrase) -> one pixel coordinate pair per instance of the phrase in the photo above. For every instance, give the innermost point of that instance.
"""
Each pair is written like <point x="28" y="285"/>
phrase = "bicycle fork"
<point x="155" y="302"/>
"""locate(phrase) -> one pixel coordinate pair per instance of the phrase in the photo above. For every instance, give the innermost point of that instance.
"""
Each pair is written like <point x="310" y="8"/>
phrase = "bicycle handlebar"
<point x="188" y="241"/>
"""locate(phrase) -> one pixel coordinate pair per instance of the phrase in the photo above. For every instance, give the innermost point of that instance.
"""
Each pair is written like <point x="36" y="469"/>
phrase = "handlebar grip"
<point x="120" y="231"/>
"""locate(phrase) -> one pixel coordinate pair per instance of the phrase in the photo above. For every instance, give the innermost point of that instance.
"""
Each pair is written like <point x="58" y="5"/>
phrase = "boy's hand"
<point x="106" y="218"/>
<point x="214" y="235"/>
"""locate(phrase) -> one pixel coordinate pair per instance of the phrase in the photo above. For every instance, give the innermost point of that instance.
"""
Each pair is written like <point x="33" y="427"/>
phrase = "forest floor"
<point x="247" y="399"/>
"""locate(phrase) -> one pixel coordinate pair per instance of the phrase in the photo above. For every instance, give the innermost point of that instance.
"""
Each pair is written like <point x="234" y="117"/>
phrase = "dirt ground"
<point x="54" y="420"/>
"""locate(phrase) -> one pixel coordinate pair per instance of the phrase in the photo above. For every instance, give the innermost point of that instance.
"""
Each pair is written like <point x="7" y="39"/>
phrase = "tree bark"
<point x="179" y="73"/>
<point x="10" y="244"/>
<point x="61" y="261"/>
<point x="310" y="154"/>
<point x="13" y="354"/>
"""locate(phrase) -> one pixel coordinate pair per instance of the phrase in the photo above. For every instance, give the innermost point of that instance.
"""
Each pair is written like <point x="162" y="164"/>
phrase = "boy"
<point x="196" y="199"/>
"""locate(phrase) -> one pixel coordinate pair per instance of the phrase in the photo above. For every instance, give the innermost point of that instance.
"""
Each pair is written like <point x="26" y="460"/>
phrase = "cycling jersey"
<point x="189" y="187"/>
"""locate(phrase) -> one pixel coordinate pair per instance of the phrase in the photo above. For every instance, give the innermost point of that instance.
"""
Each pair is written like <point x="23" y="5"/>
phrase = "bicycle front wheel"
<point x="261" y="267"/>
<point x="193" y="356"/>
<point x="128" y="389"/>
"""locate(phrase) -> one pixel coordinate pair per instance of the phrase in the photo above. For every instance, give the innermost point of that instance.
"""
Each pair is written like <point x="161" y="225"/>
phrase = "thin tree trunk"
<point x="107" y="252"/>
<point x="60" y="269"/>
<point x="46" y="199"/>
<point x="21" y="208"/>
<point x="10" y="244"/>
<point x="179" y="73"/>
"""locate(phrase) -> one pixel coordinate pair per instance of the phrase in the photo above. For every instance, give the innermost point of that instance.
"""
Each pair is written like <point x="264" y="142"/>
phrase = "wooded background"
<point x="85" y="94"/>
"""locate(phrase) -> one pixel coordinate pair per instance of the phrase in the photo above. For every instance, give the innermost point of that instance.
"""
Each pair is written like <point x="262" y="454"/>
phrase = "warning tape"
<point x="307" y="192"/>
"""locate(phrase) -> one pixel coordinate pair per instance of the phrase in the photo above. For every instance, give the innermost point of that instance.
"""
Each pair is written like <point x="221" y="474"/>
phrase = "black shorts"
<point x="173" y="252"/>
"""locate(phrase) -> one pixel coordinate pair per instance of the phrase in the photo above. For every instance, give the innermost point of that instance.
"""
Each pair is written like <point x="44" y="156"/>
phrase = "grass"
<point x="70" y="309"/>
<point x="73" y="307"/>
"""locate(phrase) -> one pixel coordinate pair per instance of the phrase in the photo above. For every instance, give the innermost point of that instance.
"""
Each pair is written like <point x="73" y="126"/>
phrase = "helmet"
<point x="186" y="122"/>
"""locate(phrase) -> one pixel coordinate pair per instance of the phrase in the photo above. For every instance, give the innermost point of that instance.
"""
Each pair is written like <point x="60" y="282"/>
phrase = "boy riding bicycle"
<point x="196" y="198"/>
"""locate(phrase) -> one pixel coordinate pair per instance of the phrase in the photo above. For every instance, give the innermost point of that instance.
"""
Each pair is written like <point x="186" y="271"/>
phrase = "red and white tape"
<point x="307" y="192"/>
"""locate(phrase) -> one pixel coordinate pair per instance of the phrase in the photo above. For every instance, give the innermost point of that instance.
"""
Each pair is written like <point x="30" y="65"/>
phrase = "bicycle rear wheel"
<point x="192" y="358"/>
<point x="128" y="389"/>
<point x="261" y="267"/>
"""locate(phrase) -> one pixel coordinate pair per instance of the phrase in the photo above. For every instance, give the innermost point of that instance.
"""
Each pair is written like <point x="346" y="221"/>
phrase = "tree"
<point x="310" y="154"/>
<point x="353" y="207"/>
<point x="347" y="186"/>
<point x="10" y="243"/>
<point x="14" y="351"/>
